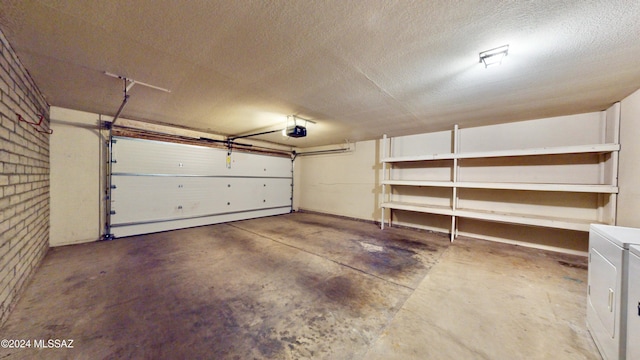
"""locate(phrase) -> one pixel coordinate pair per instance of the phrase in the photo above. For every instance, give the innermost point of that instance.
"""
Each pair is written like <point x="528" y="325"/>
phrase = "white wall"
<point x="629" y="168"/>
<point x="76" y="162"/>
<point x="345" y="184"/>
<point x="348" y="184"/>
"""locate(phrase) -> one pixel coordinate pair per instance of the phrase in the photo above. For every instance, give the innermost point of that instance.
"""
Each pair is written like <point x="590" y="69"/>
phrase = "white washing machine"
<point x="607" y="304"/>
<point x="633" y="304"/>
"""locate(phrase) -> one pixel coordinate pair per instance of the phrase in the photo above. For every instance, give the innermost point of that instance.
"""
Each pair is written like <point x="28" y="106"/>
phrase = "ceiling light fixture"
<point x="494" y="56"/>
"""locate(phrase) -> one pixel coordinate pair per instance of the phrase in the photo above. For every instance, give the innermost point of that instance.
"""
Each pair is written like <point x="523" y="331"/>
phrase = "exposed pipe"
<point x="324" y="151"/>
<point x="320" y="152"/>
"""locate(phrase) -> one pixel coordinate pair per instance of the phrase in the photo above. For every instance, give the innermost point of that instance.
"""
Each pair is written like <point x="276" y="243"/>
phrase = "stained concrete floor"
<point x="303" y="286"/>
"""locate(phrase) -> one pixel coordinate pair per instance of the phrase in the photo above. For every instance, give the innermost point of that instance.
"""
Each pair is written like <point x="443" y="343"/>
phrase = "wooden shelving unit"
<point x="605" y="189"/>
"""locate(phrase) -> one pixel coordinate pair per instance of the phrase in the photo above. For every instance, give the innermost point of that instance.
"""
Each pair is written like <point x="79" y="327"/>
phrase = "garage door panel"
<point x="152" y="198"/>
<point x="139" y="156"/>
<point x="277" y="192"/>
<point x="248" y="164"/>
<point x="147" y="198"/>
<point x="158" y="186"/>
<point x="145" y="228"/>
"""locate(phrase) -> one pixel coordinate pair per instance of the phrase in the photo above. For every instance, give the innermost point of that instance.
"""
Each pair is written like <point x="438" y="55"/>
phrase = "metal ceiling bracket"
<point x="128" y="84"/>
<point x="132" y="81"/>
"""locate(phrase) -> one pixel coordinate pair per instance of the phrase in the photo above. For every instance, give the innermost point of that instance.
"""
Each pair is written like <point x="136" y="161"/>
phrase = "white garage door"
<point x="158" y="186"/>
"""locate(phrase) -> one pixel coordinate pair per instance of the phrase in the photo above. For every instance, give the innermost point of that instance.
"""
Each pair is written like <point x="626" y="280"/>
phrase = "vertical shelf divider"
<point x="454" y="199"/>
<point x="384" y="177"/>
<point x="613" y="176"/>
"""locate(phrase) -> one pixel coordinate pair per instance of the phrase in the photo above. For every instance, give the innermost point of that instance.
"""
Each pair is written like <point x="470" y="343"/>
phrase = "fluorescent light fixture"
<point x="494" y="56"/>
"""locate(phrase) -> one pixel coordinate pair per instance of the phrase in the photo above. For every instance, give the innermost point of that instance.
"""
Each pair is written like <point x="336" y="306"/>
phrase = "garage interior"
<point x="288" y="180"/>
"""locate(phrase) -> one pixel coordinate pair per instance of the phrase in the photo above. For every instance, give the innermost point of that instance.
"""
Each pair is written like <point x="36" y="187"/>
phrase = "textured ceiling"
<point x="357" y="68"/>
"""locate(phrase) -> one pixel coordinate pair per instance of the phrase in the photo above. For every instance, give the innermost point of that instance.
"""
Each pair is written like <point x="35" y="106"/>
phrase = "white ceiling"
<point x="358" y="68"/>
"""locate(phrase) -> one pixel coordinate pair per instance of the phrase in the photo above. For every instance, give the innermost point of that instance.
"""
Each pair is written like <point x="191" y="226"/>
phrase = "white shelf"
<point x="601" y="169"/>
<point x="586" y="188"/>
<point x="429" y="209"/>
<point x="433" y="183"/>
<point x="552" y="222"/>
<point x="578" y="149"/>
<point x="445" y="156"/>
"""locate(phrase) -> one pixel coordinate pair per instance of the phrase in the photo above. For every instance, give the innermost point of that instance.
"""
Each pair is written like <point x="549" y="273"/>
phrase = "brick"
<point x="20" y="207"/>
<point x="9" y="190"/>
<point x="4" y="281"/>
<point x="4" y="64"/>
<point x="11" y="265"/>
<point x="19" y="93"/>
<point x="11" y="103"/>
<point x="10" y="233"/>
<point x="4" y="204"/>
<point x="4" y="226"/>
<point x="4" y="84"/>
<point x="17" y="222"/>
<point x="6" y="114"/>
<point x="7" y="146"/>
<point x="4" y="294"/>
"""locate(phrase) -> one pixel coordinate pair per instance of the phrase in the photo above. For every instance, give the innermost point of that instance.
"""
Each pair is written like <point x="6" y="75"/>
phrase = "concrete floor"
<point x="304" y="286"/>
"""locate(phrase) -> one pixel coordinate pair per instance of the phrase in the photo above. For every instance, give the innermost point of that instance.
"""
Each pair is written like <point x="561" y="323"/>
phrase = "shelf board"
<point x="428" y="157"/>
<point x="552" y="222"/>
<point x="430" y="209"/>
<point x="433" y="183"/>
<point x="576" y="149"/>
<point x="585" y="188"/>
